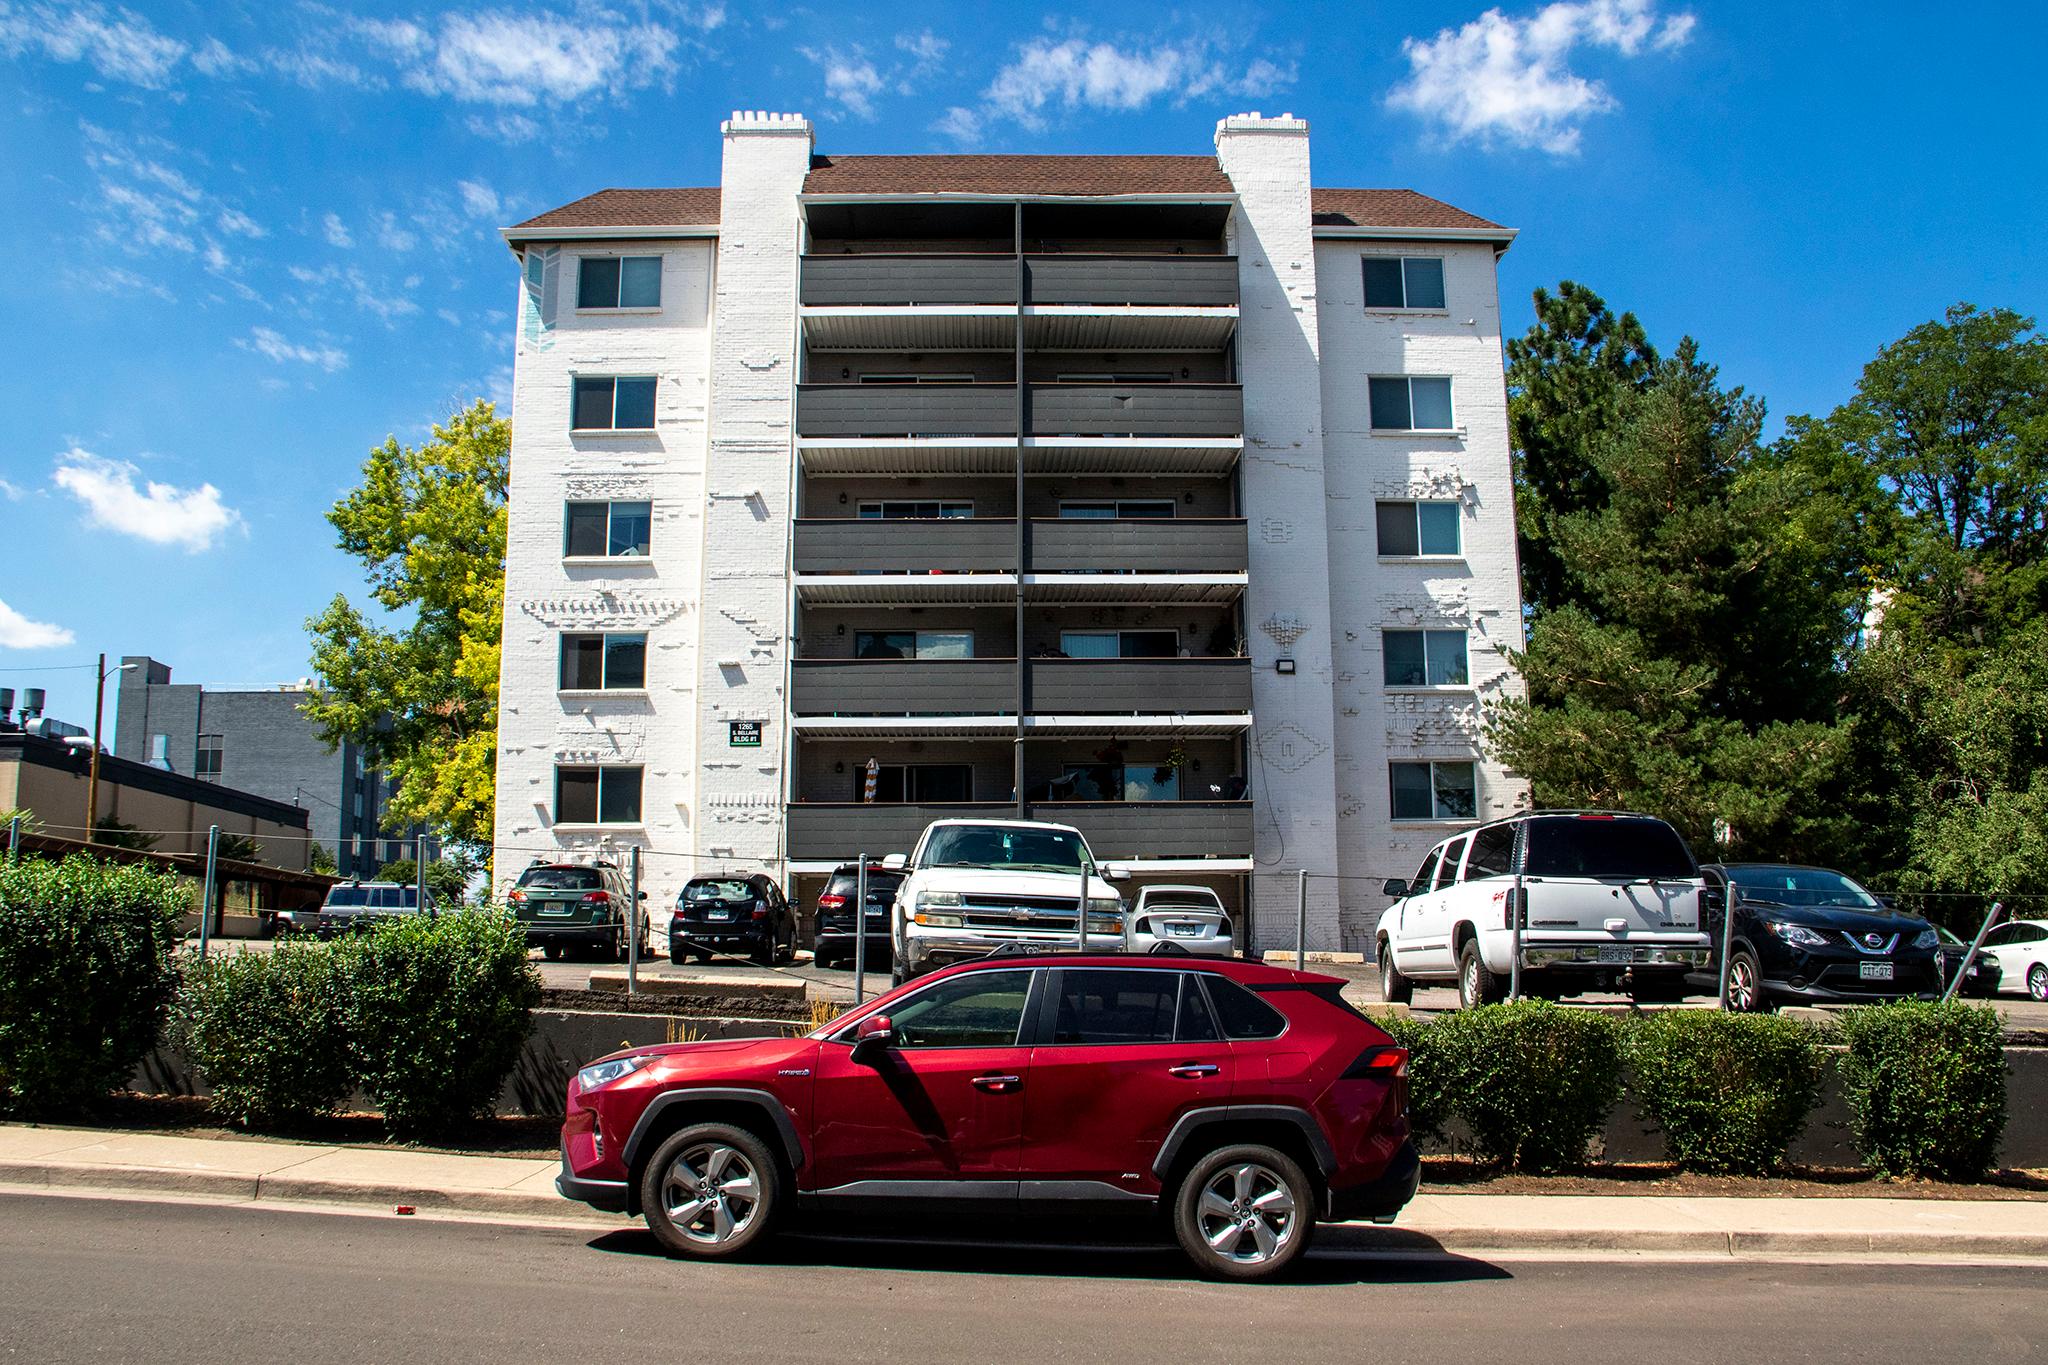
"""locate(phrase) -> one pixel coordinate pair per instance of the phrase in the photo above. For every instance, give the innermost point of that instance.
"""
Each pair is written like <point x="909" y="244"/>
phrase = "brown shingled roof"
<point x="1016" y="175"/>
<point x="1387" y="209"/>
<point x="634" y="208"/>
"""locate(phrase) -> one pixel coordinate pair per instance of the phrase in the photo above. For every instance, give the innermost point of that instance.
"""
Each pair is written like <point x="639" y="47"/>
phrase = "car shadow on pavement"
<point x="1342" y="1254"/>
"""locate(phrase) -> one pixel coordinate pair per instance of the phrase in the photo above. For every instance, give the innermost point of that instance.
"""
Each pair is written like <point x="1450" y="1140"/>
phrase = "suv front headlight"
<point x="1926" y="939"/>
<point x="604" y="1073"/>
<point x="938" y="900"/>
<point x="1798" y="935"/>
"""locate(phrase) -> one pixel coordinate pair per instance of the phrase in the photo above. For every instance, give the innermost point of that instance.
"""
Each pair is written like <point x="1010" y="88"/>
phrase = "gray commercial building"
<point x="257" y="740"/>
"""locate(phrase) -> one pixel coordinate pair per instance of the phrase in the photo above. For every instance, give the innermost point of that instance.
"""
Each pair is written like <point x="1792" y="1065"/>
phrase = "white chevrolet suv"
<point x="1606" y="898"/>
<point x="973" y="886"/>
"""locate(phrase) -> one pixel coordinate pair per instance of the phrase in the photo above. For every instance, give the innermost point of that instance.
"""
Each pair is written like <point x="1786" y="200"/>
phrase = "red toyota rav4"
<point x="1245" y="1101"/>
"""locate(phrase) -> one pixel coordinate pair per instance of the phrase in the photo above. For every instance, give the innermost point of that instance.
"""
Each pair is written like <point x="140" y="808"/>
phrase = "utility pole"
<point x="92" y="780"/>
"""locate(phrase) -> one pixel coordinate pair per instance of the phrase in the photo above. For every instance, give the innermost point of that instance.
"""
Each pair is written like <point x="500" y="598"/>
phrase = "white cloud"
<point x="239" y="223"/>
<point x="850" y="79"/>
<point x="119" y="44"/>
<point x="960" y="124"/>
<point x="272" y="345"/>
<point x="1074" y="73"/>
<point x="18" y="632"/>
<point x="156" y="512"/>
<point x="391" y="236"/>
<point x="215" y="58"/>
<point x="511" y="129"/>
<point x="520" y="60"/>
<point x="478" y="200"/>
<point x="1508" y="80"/>
<point x="13" y="492"/>
<point x="337" y="232"/>
<point x="926" y="48"/>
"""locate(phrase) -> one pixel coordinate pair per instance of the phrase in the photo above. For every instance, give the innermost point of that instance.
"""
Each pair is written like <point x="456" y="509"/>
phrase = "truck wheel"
<point x="1395" y="989"/>
<point x="1477" y="985"/>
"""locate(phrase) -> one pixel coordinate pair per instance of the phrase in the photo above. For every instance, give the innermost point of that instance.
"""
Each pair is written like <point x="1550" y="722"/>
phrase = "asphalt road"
<point x="107" y="1280"/>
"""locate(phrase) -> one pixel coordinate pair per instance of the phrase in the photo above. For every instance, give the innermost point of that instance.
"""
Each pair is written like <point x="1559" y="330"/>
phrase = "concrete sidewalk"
<point x="1466" y="1224"/>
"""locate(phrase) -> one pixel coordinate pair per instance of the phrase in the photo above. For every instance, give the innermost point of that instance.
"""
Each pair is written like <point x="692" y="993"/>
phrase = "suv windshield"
<point x="1802" y="886"/>
<point x="561" y="878"/>
<point x="881" y="885"/>
<point x="718" y="891"/>
<point x="347" y="897"/>
<point x="1003" y="846"/>
<point x="1577" y="846"/>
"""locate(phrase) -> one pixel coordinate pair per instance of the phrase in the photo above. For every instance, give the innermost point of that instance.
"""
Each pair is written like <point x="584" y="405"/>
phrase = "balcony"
<point x="1130" y="687"/>
<point x="906" y="411"/>
<point x="1123" y="831"/>
<point x="1127" y="410"/>
<point x="1061" y="545"/>
<point x="863" y="561"/>
<point x="903" y="687"/>
<point x="933" y="301"/>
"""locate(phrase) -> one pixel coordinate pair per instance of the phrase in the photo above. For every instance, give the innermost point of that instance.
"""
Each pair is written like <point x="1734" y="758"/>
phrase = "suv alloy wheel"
<point x="1477" y="985"/>
<point x="1244" y="1213"/>
<point x="711" y="1191"/>
<point x="1395" y="989"/>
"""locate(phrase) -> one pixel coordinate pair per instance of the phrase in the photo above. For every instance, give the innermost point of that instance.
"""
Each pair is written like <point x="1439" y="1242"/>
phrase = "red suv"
<point x="1243" y="1101"/>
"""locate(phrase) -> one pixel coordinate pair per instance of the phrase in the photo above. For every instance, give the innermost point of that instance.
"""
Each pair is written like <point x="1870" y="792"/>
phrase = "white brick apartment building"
<point x="1166" y="496"/>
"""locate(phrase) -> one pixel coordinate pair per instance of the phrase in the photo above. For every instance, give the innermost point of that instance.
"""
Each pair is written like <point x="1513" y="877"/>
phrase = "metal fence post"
<point x="1517" y="898"/>
<point x="419" y="873"/>
<point x="1997" y="909"/>
<point x="1731" y="896"/>
<point x="1081" y="919"/>
<point x="860" y="932"/>
<point x="1301" y="920"/>
<point x="14" y="837"/>
<point x="206" y="910"/>
<point x="633" y="920"/>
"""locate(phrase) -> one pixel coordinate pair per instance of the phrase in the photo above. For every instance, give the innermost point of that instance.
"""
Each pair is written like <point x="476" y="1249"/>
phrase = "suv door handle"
<point x="1192" y="1070"/>
<point x="998" y="1085"/>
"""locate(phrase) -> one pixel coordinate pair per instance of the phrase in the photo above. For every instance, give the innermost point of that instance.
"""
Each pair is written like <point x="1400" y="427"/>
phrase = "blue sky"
<point x="252" y="239"/>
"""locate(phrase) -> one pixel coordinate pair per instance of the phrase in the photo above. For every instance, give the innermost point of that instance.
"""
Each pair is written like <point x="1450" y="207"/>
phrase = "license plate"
<point x="554" y="909"/>
<point x="875" y="911"/>
<point x="1184" y="930"/>
<point x="1874" y="971"/>
<point x="718" y="914"/>
<point x="1615" y="955"/>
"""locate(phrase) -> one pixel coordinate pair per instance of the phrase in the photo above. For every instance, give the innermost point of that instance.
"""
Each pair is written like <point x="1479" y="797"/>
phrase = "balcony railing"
<point x="940" y="545"/>
<point x="905" y="280"/>
<point x="903" y="687"/>
<point x="885" y="410"/>
<point x="1139" y="545"/>
<point x="1137" y="410"/>
<point x="1120" y="830"/>
<point x="1158" y="281"/>
<point x="1133" y="687"/>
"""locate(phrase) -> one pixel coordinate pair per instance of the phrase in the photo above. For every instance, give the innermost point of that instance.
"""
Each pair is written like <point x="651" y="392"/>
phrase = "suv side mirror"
<point x="896" y="862"/>
<point x="874" y="1036"/>
<point x="1116" y="874"/>
<point x="643" y="895"/>
<point x="1395" y="887"/>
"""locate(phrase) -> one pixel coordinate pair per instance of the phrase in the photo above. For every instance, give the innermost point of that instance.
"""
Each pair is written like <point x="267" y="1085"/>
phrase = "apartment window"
<point x="619" y="282"/>
<point x="614" y="404"/>
<point x="913" y="644"/>
<point x="1119" y="644"/>
<point x="592" y="663"/>
<point x="206" y="763"/>
<point x="1434" y="791"/>
<point x="1425" y="658"/>
<point x="896" y="783"/>
<point x="920" y="509"/>
<point x="1409" y="530"/>
<point x="597" y="796"/>
<point x="1404" y="282"/>
<point x="598" y="530"/>
<point x="1401" y="403"/>
<point x="1122" y="509"/>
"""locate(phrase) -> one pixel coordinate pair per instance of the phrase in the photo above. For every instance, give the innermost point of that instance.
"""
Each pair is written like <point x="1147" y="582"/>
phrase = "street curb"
<point x="1463" y="1241"/>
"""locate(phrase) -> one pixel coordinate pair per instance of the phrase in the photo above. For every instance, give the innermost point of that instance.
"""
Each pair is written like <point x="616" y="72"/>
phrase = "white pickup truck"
<point x="1607" y="898"/>
<point x="972" y="886"/>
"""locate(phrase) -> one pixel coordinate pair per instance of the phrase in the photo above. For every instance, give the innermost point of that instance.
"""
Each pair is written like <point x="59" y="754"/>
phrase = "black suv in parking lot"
<point x="735" y="912"/>
<point x="834" y="941"/>
<point x="1811" y="934"/>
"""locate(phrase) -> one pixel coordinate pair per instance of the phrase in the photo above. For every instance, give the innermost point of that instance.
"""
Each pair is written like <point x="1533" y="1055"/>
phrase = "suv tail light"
<point x="517" y="897"/>
<point x="1383" y="1063"/>
<point x="760" y="909"/>
<point x="831" y="901"/>
<point x="597" y="898"/>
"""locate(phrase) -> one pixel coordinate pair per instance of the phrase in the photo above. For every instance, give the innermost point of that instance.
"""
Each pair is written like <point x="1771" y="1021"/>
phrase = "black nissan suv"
<point x="834" y="940"/>
<point x="1809" y="934"/>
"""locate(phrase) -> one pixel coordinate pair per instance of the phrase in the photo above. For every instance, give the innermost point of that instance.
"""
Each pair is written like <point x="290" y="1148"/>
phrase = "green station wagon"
<point x="575" y="907"/>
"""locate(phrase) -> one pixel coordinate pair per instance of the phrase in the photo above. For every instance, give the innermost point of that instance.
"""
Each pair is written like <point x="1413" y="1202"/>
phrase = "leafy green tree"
<point x="421" y="696"/>
<point x="320" y="860"/>
<point x="1568" y="378"/>
<point x="239" y="848"/>
<point x="1689" y="670"/>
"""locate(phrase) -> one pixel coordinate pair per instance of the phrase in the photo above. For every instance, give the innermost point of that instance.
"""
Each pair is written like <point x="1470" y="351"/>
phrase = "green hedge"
<point x="1730" y="1091"/>
<point x="267" y="1032"/>
<point x="85" y="977"/>
<point x="1533" y="1081"/>
<point x="1926" y="1087"/>
<point x="437" y="1012"/>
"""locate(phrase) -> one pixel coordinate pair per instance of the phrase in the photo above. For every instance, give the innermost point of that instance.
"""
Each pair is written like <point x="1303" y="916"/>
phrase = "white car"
<point x="974" y="886"/>
<point x="2020" y="949"/>
<point x="1191" y="918"/>
<point x="1603" y="894"/>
